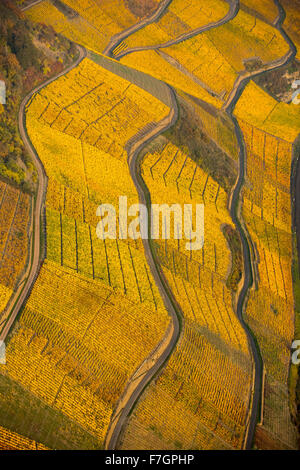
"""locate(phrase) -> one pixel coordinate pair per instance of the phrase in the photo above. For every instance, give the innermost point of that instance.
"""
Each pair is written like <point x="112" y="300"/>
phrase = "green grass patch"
<point x="24" y="413"/>
<point x="235" y="246"/>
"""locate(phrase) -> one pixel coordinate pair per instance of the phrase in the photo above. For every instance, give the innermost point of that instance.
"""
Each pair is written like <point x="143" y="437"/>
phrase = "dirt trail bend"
<point x="32" y="269"/>
<point x="118" y="38"/>
<point x="235" y="212"/>
<point x="234" y="6"/>
<point x="158" y="357"/>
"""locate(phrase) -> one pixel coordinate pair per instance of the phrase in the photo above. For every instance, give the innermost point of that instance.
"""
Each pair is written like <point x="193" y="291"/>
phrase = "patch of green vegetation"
<point x="235" y="246"/>
<point x="155" y="430"/>
<point x="227" y="137"/>
<point x="24" y="413"/>
<point x="178" y="445"/>
<point x="294" y="375"/>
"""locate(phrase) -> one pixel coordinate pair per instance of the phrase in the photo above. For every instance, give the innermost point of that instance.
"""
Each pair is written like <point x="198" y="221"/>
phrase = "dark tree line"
<point x="23" y="65"/>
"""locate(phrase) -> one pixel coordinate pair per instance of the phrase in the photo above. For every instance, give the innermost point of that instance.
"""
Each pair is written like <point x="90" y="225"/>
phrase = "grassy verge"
<point x="24" y="413"/>
<point x="235" y="246"/>
<point x="294" y="373"/>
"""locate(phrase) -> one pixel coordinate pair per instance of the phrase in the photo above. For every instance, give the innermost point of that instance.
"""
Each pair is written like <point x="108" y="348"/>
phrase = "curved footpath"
<point x="151" y="365"/>
<point x="245" y="77"/>
<point x="31" y="5"/>
<point x="159" y="356"/>
<point x="32" y="269"/>
<point x="118" y="38"/>
<point x="232" y="12"/>
<point x="235" y="212"/>
<point x="146" y="372"/>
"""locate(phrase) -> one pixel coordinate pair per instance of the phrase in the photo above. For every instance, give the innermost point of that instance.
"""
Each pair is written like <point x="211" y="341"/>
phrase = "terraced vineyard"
<point x="267" y="213"/>
<point x="212" y="60"/>
<point x="14" y="241"/>
<point x="215" y="413"/>
<point x="178" y="20"/>
<point x="266" y="8"/>
<point x="140" y="342"/>
<point x="292" y="21"/>
<point x="13" y="441"/>
<point x="59" y="335"/>
<point x="87" y="22"/>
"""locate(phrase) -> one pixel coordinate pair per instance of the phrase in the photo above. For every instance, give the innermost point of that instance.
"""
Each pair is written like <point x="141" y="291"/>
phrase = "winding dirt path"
<point x="118" y="38"/>
<point x="147" y="370"/>
<point x="232" y="12"/>
<point x="32" y="4"/>
<point x="25" y="285"/>
<point x="127" y="401"/>
<point x="145" y="373"/>
<point x="236" y="215"/>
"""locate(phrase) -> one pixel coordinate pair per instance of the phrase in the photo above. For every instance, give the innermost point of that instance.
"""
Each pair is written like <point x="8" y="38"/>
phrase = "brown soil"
<point x="265" y="441"/>
<point x="279" y="82"/>
<point x="142" y="8"/>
